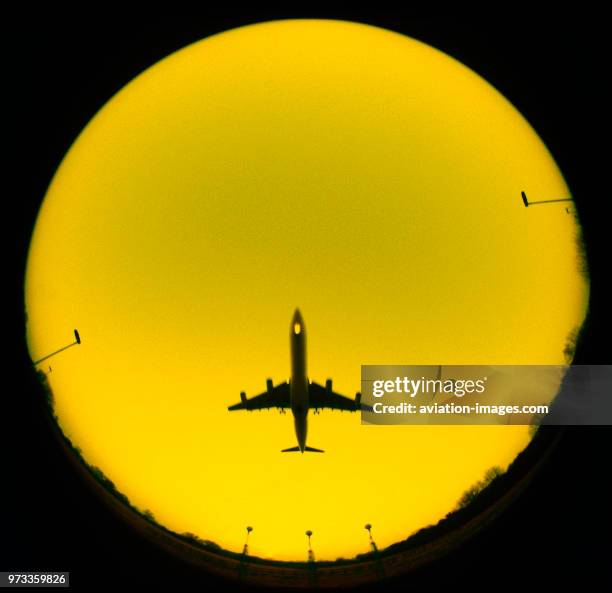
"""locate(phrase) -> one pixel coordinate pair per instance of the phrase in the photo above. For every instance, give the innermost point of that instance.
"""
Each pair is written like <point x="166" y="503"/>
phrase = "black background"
<point x="64" y="69"/>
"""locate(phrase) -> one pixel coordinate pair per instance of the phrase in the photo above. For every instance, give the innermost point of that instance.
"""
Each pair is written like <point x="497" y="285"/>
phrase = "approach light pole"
<point x="310" y="552"/>
<point x="245" y="550"/>
<point x="528" y="203"/>
<point x="368" y="526"/>
<point x="77" y="340"/>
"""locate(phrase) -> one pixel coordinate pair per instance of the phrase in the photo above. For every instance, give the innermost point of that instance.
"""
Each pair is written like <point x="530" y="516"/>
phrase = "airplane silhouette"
<point x="299" y="393"/>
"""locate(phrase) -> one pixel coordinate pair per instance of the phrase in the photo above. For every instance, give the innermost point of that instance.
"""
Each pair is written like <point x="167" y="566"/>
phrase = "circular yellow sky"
<point x="355" y="173"/>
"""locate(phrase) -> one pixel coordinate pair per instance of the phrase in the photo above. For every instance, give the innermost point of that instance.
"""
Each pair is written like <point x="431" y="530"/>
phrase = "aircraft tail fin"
<point x="294" y="449"/>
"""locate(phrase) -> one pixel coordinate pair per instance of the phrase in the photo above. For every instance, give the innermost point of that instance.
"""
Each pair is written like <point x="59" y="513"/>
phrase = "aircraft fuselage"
<point x="298" y="385"/>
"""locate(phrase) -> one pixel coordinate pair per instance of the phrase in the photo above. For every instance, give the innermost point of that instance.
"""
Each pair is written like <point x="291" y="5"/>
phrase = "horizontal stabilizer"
<point x="294" y="449"/>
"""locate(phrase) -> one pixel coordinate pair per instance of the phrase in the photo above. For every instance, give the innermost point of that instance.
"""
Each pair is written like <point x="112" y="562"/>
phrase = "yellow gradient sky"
<point x="352" y="172"/>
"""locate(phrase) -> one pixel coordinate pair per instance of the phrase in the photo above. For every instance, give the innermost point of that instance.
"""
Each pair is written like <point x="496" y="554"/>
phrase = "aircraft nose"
<point x="297" y="323"/>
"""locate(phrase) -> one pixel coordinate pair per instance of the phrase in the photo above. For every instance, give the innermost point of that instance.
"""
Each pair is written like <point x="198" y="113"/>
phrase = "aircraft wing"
<point x="324" y="397"/>
<point x="276" y="396"/>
